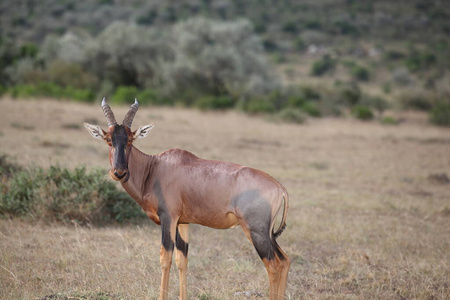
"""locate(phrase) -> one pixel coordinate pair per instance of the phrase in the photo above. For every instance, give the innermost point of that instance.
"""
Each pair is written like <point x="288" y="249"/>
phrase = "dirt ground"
<point x="369" y="213"/>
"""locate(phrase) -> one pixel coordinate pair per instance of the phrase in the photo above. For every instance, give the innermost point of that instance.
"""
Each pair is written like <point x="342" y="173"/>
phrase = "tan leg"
<point x="286" y="263"/>
<point x="275" y="260"/>
<point x="181" y="259"/>
<point x="168" y="229"/>
<point x="166" y="262"/>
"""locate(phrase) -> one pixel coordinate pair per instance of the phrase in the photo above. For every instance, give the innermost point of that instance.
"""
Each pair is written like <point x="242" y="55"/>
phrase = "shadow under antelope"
<point x="176" y="188"/>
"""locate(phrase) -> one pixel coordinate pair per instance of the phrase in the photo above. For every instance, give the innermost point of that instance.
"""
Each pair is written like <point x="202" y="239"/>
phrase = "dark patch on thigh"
<point x="181" y="244"/>
<point x="256" y="211"/>
<point x="164" y="217"/>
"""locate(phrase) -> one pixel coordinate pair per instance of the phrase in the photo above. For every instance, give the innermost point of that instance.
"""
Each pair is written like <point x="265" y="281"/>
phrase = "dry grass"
<point x="369" y="217"/>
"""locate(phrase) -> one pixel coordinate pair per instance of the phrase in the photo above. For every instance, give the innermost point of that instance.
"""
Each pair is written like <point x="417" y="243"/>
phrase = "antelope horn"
<point x="109" y="115"/>
<point x="130" y="114"/>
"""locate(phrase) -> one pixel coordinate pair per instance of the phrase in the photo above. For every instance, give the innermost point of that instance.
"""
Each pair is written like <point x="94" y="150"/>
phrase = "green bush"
<point x="417" y="60"/>
<point x="389" y="121"/>
<point x="214" y="102"/>
<point x="360" y="73"/>
<point x="290" y="27"/>
<point x="296" y="100"/>
<point x="258" y="105"/>
<point x="310" y="93"/>
<point x="362" y="112"/>
<point x="417" y="100"/>
<point x="350" y="94"/>
<point x="311" y="109"/>
<point x="375" y="102"/>
<point x="291" y="115"/>
<point x="440" y="114"/>
<point x="124" y="94"/>
<point x="148" y="96"/>
<point x="323" y="65"/>
<point x="62" y="195"/>
<point x="51" y="90"/>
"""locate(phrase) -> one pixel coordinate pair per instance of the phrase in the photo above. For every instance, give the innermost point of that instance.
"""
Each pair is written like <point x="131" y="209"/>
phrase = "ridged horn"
<point x="128" y="120"/>
<point x="109" y="115"/>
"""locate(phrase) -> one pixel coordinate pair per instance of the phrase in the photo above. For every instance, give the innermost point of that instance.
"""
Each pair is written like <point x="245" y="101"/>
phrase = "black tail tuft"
<point x="279" y="231"/>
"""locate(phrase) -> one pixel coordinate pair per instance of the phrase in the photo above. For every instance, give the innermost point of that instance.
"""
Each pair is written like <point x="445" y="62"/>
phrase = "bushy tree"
<point x="219" y="58"/>
<point x="128" y="54"/>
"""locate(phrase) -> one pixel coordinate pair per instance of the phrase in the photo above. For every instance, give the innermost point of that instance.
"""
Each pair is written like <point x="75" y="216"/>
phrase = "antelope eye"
<point x="108" y="140"/>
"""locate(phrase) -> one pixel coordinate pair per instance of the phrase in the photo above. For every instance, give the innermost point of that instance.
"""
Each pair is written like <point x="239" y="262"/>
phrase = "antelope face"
<point x="119" y="138"/>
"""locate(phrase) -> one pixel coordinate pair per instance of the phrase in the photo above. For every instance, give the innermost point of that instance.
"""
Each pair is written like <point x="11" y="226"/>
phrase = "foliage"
<point x="214" y="102"/>
<point x="124" y="94"/>
<point x="440" y="113"/>
<point x="323" y="65"/>
<point x="349" y="93"/>
<point x="291" y="115"/>
<point x="258" y="105"/>
<point x="360" y="72"/>
<point x="375" y="102"/>
<point x="127" y="54"/>
<point x="7" y="167"/>
<point x="62" y="195"/>
<point x="48" y="89"/>
<point x="417" y="100"/>
<point x="389" y="121"/>
<point x="311" y="109"/>
<point x="362" y="112"/>
<point x="217" y="58"/>
<point x="417" y="60"/>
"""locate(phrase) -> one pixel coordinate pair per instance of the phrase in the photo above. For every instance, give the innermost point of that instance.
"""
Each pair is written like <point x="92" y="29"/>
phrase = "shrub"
<point x="394" y="55"/>
<point x="124" y="94"/>
<point x="214" y="102"/>
<point x="402" y="77"/>
<point x="417" y="100"/>
<point x="218" y="58"/>
<point x="360" y="73"/>
<point x="350" y="94"/>
<point x="59" y="194"/>
<point x="375" y="102"/>
<point x="290" y="27"/>
<point x="440" y="114"/>
<point x="291" y="115"/>
<point x="389" y="121"/>
<point x="7" y="167"/>
<point x="311" y="109"/>
<point x="362" y="112"/>
<point x="149" y="96"/>
<point x="320" y="67"/>
<point x="300" y="44"/>
<point x="258" y="105"/>
<point x="52" y="90"/>
<point x="310" y="93"/>
<point x="296" y="101"/>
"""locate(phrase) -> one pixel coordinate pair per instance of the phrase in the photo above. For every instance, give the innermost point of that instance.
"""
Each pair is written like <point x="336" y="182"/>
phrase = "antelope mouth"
<point x="123" y="177"/>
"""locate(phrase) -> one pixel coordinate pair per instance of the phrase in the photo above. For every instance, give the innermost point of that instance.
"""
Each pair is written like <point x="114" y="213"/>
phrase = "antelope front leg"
<point x="181" y="252"/>
<point x="168" y="228"/>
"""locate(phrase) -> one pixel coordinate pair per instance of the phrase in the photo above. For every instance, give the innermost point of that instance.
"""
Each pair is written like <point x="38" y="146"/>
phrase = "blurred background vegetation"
<point x="291" y="59"/>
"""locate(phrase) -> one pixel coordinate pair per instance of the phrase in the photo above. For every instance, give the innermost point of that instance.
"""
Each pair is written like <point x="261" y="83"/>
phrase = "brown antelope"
<point x="176" y="188"/>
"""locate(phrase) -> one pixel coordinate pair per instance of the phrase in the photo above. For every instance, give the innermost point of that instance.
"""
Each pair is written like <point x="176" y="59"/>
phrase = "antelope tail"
<point x="282" y="226"/>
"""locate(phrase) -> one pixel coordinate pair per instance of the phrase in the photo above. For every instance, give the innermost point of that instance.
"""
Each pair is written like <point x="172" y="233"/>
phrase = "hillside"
<point x="394" y="51"/>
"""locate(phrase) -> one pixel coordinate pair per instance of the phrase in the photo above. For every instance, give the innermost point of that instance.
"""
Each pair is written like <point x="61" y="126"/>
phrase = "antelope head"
<point x="119" y="139"/>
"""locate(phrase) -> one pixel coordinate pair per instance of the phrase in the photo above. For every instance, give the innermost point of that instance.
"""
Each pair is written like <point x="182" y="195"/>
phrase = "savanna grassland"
<point x="369" y="213"/>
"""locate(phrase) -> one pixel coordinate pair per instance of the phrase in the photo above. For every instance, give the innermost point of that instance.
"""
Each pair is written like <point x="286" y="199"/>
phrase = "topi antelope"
<point x="176" y="188"/>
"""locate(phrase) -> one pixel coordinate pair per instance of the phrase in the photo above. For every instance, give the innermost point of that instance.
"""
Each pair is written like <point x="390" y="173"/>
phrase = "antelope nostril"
<point x="120" y="176"/>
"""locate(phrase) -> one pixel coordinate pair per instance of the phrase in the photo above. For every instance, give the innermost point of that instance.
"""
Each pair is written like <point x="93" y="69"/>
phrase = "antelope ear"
<point x="143" y="131"/>
<point x="95" y="131"/>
